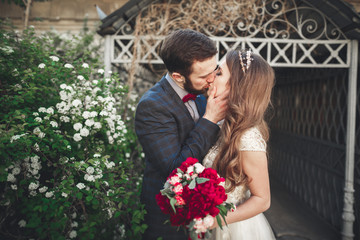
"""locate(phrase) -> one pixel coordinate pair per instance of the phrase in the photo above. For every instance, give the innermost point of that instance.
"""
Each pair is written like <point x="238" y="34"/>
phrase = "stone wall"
<point x="61" y="15"/>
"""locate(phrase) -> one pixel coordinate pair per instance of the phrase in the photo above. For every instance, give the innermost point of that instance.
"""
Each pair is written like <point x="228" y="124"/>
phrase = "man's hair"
<point x="183" y="47"/>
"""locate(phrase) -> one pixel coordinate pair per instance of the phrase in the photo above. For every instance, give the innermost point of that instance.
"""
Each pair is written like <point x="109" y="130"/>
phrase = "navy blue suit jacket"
<point x="168" y="135"/>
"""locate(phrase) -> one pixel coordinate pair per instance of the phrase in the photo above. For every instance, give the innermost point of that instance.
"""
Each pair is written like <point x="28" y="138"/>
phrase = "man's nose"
<point x="211" y="78"/>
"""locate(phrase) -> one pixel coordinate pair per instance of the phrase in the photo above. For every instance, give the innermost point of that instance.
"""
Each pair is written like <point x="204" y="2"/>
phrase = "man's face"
<point x="202" y="75"/>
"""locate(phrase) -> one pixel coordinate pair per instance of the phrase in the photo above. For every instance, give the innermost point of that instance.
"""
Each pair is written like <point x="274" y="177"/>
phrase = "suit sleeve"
<point x="158" y="132"/>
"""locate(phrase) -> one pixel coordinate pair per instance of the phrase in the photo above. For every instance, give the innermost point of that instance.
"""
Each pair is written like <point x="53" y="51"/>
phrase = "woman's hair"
<point x="249" y="97"/>
<point x="182" y="47"/>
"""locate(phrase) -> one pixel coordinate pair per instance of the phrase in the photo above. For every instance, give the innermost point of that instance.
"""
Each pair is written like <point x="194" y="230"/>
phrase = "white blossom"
<point x="77" y="137"/>
<point x="64" y="194"/>
<point x="41" y="135"/>
<point x="72" y="234"/>
<point x="38" y="119"/>
<point x="36" y="147"/>
<point x="93" y="113"/>
<point x="33" y="186"/>
<point x="97" y="155"/>
<point x="68" y="65"/>
<point x="86" y="114"/>
<point x="97" y="125"/>
<point x="13" y="186"/>
<point x="80" y="77"/>
<point x="127" y="155"/>
<point x="101" y="71"/>
<point x="90" y="170"/>
<point x="77" y="126"/>
<point x="42" y="109"/>
<point x="85" y="65"/>
<point x="64" y="119"/>
<point x="54" y="58"/>
<point x="89" y="122"/>
<point x="80" y="186"/>
<point x="89" y="178"/>
<point x="49" y="194"/>
<point x="43" y="189"/>
<point x="74" y="224"/>
<point x="16" y="170"/>
<point x="50" y="110"/>
<point x="22" y="223"/>
<point x="41" y="65"/>
<point x="84" y="132"/>
<point x="11" y="178"/>
<point x="109" y="164"/>
<point x="76" y="102"/>
<point x="63" y="86"/>
<point x="54" y="124"/>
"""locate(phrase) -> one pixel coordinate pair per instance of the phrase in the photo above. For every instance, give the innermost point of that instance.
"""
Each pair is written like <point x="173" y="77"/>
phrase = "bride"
<point x="240" y="153"/>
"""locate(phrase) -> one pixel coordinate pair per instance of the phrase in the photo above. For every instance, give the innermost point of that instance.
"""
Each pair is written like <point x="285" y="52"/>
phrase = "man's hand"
<point x="216" y="106"/>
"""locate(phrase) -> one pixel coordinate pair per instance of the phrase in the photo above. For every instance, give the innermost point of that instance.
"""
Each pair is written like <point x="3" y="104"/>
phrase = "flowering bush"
<point x="193" y="196"/>
<point x="70" y="164"/>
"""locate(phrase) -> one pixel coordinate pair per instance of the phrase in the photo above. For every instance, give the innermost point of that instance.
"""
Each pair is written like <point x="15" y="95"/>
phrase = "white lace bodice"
<point x="250" y="141"/>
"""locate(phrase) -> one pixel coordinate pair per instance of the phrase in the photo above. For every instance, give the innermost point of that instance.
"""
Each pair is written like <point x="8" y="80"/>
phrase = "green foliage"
<point x="70" y="165"/>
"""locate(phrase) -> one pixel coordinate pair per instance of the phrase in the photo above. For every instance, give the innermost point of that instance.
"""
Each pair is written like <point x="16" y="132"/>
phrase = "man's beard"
<point x="188" y="86"/>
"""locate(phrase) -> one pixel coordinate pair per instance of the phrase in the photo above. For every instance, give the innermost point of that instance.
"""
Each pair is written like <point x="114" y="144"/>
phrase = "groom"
<point x="172" y="124"/>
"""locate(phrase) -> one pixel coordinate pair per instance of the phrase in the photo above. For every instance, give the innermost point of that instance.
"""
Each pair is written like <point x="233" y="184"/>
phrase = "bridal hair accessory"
<point x="245" y="60"/>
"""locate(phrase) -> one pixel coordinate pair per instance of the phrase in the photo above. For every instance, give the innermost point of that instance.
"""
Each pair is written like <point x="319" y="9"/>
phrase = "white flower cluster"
<point x="7" y="50"/>
<point x="81" y="103"/>
<point x="32" y="166"/>
<point x="16" y="137"/>
<point x="93" y="173"/>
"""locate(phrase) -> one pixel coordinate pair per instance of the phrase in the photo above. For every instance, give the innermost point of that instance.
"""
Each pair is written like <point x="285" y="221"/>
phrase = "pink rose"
<point x="174" y="179"/>
<point x="178" y="189"/>
<point x="179" y="200"/>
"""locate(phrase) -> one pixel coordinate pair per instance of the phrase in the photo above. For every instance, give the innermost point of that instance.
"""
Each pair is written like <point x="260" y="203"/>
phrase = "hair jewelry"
<point x="245" y="60"/>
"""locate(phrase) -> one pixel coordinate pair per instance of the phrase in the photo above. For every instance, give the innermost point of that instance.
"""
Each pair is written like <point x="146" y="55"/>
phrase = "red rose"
<point x="164" y="203"/>
<point x="179" y="218"/>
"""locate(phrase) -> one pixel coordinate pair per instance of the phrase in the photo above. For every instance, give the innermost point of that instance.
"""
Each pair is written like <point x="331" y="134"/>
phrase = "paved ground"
<point x="292" y="220"/>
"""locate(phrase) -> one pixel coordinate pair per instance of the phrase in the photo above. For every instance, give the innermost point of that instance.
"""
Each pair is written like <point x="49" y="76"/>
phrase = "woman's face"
<point x="221" y="79"/>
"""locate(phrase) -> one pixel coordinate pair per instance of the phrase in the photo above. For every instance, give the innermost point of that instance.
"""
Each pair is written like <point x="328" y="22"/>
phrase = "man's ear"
<point x="178" y="77"/>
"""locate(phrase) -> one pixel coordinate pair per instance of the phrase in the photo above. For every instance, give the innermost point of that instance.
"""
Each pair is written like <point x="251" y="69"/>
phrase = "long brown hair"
<point x="248" y="100"/>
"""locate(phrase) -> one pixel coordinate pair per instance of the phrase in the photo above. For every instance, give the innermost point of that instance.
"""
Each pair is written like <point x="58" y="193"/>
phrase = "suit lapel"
<point x="175" y="97"/>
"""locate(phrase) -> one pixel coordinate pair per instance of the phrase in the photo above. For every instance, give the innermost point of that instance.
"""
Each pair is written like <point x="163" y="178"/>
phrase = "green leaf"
<point x="219" y="221"/>
<point x="172" y="203"/>
<point x="201" y="180"/>
<point x="79" y="195"/>
<point x="192" y="184"/>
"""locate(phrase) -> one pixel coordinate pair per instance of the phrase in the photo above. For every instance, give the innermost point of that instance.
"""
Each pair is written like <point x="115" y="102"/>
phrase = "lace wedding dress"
<point x="257" y="227"/>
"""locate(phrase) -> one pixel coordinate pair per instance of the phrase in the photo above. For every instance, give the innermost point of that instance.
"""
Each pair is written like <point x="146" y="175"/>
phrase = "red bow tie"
<point x="188" y="97"/>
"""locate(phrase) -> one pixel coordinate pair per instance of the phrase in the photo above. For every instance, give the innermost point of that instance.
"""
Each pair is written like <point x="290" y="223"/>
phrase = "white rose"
<point x="199" y="168"/>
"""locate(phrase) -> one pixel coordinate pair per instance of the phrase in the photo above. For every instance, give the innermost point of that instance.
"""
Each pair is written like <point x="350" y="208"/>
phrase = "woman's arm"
<point x="256" y="169"/>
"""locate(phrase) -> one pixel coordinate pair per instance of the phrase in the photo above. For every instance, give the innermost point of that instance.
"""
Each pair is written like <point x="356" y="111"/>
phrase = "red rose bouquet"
<point x="193" y="196"/>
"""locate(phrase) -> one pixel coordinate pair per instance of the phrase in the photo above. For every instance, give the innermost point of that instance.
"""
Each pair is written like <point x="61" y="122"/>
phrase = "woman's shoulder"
<point x="252" y="140"/>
